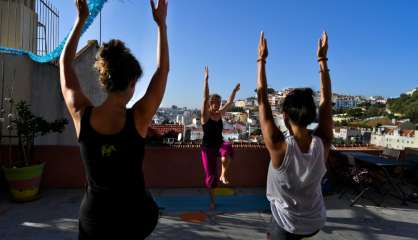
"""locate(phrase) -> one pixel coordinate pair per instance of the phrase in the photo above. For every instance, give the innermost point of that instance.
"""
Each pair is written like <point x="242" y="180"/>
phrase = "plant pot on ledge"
<point x="22" y="173"/>
<point x="24" y="182"/>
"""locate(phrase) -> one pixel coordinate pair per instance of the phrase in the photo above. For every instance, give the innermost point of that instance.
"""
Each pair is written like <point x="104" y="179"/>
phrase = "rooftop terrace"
<point x="242" y="213"/>
<point x="54" y="216"/>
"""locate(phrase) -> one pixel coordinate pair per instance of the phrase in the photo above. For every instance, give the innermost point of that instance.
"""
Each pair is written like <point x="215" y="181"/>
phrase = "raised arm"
<point x="273" y="137"/>
<point x="148" y="105"/>
<point x="205" y="106"/>
<point x="324" y="130"/>
<point x="231" y="98"/>
<point x="74" y="98"/>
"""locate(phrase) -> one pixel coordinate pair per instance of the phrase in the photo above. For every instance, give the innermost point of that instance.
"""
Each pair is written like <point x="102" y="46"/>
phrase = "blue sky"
<point x="373" y="43"/>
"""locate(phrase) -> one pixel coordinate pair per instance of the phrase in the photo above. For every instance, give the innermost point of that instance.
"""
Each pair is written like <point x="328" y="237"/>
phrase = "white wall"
<point x="39" y="85"/>
<point x="18" y="26"/>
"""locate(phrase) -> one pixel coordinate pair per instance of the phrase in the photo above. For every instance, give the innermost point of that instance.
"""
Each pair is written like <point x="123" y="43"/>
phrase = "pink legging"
<point x="210" y="165"/>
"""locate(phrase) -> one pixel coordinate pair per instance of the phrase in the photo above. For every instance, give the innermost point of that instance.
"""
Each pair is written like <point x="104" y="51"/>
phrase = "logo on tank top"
<point x="107" y="150"/>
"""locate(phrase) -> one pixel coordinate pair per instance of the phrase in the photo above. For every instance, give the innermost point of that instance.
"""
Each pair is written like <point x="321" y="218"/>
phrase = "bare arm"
<point x="74" y="97"/>
<point x="324" y="130"/>
<point x="273" y="137"/>
<point x="205" y="106"/>
<point x="148" y="105"/>
<point x="230" y="100"/>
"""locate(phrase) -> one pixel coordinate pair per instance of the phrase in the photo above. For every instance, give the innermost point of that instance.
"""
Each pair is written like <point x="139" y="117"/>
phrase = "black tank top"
<point x="113" y="163"/>
<point x="212" y="133"/>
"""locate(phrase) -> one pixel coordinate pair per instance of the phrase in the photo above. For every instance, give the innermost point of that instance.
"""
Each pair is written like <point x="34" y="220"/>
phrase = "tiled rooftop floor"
<point x="54" y="216"/>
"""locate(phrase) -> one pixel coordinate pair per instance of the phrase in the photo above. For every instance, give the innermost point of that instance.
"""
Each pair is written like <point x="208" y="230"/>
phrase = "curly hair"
<point x="117" y="66"/>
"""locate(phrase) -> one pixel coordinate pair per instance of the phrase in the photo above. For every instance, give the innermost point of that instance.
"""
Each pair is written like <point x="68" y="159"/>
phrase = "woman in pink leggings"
<point x="213" y="144"/>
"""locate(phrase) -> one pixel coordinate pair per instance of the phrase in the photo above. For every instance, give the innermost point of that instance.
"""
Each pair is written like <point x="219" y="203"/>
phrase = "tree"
<point x="236" y="109"/>
<point x="256" y="132"/>
<point x="354" y="112"/>
<point x="269" y="91"/>
<point x="166" y="121"/>
<point x="407" y="105"/>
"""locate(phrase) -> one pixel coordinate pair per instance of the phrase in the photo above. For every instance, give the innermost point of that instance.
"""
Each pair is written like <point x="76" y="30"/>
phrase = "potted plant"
<point x="22" y="173"/>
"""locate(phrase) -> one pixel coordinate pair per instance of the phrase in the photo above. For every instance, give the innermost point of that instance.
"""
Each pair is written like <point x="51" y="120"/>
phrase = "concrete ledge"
<point x="164" y="166"/>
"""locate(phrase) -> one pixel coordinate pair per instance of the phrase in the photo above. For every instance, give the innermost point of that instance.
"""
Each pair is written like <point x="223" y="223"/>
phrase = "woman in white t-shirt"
<point x="298" y="162"/>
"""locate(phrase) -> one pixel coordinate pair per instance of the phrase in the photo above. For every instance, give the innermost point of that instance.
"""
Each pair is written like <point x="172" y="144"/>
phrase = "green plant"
<point x="28" y="127"/>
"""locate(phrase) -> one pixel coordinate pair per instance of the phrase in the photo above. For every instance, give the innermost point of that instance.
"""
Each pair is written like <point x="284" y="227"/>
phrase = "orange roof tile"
<point x="161" y="129"/>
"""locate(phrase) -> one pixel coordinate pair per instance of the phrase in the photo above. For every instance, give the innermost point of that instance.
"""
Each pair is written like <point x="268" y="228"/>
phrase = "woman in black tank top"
<point x="212" y="143"/>
<point x="116" y="204"/>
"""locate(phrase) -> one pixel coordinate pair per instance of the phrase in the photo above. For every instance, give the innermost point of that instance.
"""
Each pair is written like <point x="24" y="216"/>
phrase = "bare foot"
<point x="224" y="180"/>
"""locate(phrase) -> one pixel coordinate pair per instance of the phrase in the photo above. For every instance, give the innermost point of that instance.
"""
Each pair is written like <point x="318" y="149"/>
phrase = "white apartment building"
<point x="196" y="134"/>
<point x="240" y="103"/>
<point x="412" y="91"/>
<point x="377" y="99"/>
<point x="345" y="102"/>
<point x="394" y="137"/>
<point x="347" y="133"/>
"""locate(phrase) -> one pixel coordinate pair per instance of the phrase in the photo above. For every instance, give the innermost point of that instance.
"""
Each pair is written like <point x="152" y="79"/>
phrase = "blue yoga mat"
<point x="248" y="203"/>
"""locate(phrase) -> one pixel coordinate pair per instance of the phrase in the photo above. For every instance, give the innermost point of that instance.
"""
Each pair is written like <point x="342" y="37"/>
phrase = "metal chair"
<point x="391" y="153"/>
<point x="410" y="162"/>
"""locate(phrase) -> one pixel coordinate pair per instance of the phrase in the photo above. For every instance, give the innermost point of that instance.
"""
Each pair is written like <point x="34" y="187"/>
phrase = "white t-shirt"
<point x="294" y="189"/>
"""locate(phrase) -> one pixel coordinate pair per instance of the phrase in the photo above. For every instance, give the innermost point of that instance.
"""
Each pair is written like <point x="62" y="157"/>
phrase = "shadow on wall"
<point x="39" y="85"/>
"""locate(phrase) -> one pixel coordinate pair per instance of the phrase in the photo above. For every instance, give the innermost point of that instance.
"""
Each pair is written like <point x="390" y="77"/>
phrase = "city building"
<point x="377" y="100"/>
<point x="166" y="133"/>
<point x="251" y="102"/>
<point x="230" y="135"/>
<point x="412" y="91"/>
<point x="394" y="137"/>
<point x="275" y="100"/>
<point x="352" y="135"/>
<point x="240" y="103"/>
<point x="343" y="102"/>
<point x="347" y="134"/>
<point x="196" y="134"/>
<point x="341" y="117"/>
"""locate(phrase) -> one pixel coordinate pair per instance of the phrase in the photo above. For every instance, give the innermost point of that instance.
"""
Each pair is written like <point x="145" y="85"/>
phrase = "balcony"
<point x="243" y="213"/>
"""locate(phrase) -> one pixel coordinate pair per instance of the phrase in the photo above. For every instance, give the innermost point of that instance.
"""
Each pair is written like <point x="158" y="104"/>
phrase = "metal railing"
<point x="30" y="25"/>
<point x="48" y="27"/>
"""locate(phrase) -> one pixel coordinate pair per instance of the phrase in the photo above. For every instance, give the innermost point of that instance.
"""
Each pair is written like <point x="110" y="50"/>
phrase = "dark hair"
<point x="116" y="65"/>
<point x="300" y="106"/>
<point x="215" y="96"/>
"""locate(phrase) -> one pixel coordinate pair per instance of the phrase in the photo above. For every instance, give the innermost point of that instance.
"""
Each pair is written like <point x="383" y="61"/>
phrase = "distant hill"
<point x="371" y="123"/>
<point x="406" y="104"/>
